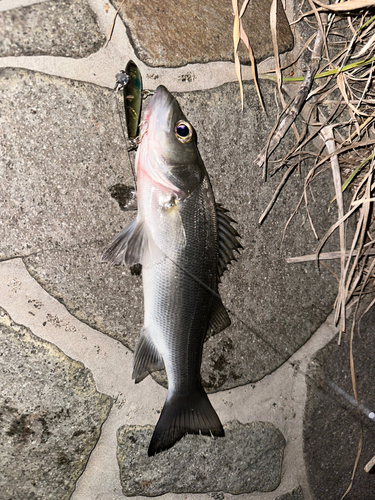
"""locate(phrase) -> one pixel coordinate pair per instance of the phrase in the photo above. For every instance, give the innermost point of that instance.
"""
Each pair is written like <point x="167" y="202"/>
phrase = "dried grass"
<point x="113" y="24"/>
<point x="340" y="77"/>
<point x="238" y="36"/>
<point x="337" y="95"/>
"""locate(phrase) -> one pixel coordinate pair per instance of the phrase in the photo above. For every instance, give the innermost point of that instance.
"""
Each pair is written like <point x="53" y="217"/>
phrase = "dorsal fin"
<point x="226" y="239"/>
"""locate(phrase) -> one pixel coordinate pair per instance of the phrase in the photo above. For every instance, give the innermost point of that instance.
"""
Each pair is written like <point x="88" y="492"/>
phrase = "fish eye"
<point x="183" y="131"/>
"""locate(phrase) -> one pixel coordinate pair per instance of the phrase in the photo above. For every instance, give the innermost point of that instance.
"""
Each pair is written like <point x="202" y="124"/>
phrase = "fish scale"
<point x="184" y="242"/>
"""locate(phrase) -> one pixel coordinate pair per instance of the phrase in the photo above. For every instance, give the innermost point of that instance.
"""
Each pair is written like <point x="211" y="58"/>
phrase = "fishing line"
<point x="368" y="413"/>
<point x="294" y="365"/>
<point x="339" y="392"/>
<point x="203" y="285"/>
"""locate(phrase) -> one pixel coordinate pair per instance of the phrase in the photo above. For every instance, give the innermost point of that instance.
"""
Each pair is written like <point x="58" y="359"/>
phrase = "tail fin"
<point x="182" y="415"/>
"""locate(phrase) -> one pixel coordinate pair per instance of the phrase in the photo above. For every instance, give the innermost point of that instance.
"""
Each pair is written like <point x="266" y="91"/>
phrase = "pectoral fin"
<point x="134" y="245"/>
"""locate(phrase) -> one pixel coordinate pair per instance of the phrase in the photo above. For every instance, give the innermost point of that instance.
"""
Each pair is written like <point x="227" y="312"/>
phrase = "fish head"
<point x="168" y="153"/>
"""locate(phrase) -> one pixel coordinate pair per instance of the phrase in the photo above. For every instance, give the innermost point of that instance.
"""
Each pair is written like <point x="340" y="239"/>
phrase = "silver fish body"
<point x="184" y="242"/>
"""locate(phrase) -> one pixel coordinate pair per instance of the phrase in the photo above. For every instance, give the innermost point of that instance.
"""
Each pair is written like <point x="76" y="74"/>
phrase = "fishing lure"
<point x="130" y="81"/>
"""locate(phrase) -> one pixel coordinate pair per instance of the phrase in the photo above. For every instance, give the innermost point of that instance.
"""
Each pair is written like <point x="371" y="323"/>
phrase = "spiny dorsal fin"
<point x="226" y="238"/>
<point x="146" y="357"/>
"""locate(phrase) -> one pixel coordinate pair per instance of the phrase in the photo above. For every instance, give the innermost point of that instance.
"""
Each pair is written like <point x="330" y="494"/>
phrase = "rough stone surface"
<point x="247" y="459"/>
<point x="296" y="494"/>
<point x="177" y="33"/>
<point x="59" y="214"/>
<point x="55" y="195"/>
<point x="50" y="416"/>
<point x="332" y="424"/>
<point x="53" y="28"/>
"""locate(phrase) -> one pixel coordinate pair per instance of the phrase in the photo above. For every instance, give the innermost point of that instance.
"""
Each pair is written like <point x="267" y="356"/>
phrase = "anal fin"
<point x="146" y="357"/>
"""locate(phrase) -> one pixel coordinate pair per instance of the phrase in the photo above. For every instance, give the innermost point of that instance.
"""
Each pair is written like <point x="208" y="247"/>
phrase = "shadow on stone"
<point x="332" y="425"/>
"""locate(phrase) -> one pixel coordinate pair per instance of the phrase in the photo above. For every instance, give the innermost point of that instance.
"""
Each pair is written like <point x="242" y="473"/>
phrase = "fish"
<point x="184" y="242"/>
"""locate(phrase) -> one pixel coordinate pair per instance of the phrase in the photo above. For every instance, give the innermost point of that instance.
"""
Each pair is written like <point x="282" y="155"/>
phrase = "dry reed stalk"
<point x="113" y="24"/>
<point x="327" y="135"/>
<point x="347" y="81"/>
<point x="238" y="35"/>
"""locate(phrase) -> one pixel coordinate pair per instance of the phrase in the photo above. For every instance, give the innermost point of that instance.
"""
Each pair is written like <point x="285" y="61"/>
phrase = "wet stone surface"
<point x="63" y="151"/>
<point x="165" y="34"/>
<point x="50" y="415"/>
<point x="247" y="459"/>
<point x="67" y="29"/>
<point x="331" y="423"/>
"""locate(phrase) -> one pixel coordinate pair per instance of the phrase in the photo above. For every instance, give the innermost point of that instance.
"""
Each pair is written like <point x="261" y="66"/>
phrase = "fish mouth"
<point x="158" y="114"/>
<point x="160" y="109"/>
<point x="162" y="99"/>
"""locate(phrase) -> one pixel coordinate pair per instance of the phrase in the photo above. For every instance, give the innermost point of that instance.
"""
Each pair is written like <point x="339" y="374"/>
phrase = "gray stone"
<point x="63" y="151"/>
<point x="67" y="29"/>
<point x="332" y="426"/>
<point x="296" y="494"/>
<point x="50" y="416"/>
<point x="165" y="34"/>
<point x="247" y="459"/>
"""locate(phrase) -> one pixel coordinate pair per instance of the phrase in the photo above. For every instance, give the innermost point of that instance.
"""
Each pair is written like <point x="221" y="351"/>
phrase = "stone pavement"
<point x="72" y="422"/>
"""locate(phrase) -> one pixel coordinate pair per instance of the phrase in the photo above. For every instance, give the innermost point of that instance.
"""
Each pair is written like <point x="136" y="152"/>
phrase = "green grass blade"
<point x="325" y="73"/>
<point x="354" y="173"/>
